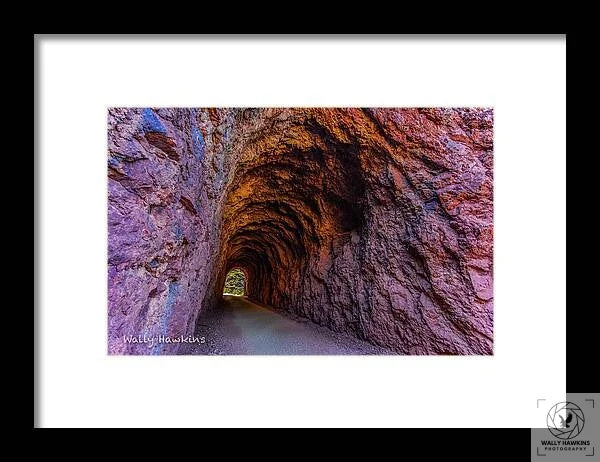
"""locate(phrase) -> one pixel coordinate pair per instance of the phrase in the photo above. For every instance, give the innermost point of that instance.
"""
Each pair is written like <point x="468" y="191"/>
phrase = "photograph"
<point x="300" y="231"/>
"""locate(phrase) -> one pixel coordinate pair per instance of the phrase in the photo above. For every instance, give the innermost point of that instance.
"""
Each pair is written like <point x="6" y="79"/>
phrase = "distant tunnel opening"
<point x="235" y="283"/>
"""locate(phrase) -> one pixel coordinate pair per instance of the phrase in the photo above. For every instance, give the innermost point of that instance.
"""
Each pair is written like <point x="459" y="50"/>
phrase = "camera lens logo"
<point x="565" y="420"/>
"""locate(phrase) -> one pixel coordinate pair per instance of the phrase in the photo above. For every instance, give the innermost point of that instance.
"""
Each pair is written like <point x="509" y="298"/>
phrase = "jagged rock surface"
<point x="376" y="222"/>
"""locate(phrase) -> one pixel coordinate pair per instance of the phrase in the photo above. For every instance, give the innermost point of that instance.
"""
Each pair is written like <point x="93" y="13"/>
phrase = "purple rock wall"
<point x="161" y="225"/>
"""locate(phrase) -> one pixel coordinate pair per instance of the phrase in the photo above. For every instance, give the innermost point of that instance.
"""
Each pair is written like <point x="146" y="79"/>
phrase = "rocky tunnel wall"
<point x="376" y="222"/>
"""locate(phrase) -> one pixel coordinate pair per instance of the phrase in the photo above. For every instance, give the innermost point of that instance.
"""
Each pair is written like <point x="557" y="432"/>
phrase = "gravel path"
<point x="240" y="327"/>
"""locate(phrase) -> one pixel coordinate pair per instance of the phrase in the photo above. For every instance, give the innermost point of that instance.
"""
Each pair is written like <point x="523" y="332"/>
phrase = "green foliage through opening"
<point x="235" y="282"/>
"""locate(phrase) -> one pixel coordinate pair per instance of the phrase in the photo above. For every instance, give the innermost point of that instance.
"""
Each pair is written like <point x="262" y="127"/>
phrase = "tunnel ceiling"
<point x="281" y="206"/>
<point x="376" y="222"/>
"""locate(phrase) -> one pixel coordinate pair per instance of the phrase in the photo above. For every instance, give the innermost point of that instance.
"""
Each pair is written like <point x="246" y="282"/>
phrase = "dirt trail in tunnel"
<point x="241" y="327"/>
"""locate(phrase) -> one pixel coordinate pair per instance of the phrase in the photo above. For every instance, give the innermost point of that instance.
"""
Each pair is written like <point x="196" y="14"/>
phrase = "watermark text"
<point x="150" y="341"/>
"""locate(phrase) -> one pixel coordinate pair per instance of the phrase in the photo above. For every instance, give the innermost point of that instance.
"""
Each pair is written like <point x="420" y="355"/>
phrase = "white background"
<point x="524" y="80"/>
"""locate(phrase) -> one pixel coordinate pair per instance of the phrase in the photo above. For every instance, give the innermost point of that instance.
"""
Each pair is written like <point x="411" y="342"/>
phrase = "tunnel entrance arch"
<point x="236" y="282"/>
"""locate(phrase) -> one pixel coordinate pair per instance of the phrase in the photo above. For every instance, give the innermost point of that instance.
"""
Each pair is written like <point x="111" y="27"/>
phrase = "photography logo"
<point x="563" y="438"/>
<point x="565" y="420"/>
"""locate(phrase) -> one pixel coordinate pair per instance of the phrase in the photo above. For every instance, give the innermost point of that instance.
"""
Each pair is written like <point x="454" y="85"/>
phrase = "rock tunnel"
<point x="372" y="222"/>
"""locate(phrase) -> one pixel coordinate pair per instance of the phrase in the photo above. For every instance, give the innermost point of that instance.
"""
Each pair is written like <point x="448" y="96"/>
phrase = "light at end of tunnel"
<point x="235" y="283"/>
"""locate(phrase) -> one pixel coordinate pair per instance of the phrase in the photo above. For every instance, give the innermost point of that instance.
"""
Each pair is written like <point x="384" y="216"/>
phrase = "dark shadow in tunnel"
<point x="285" y="211"/>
